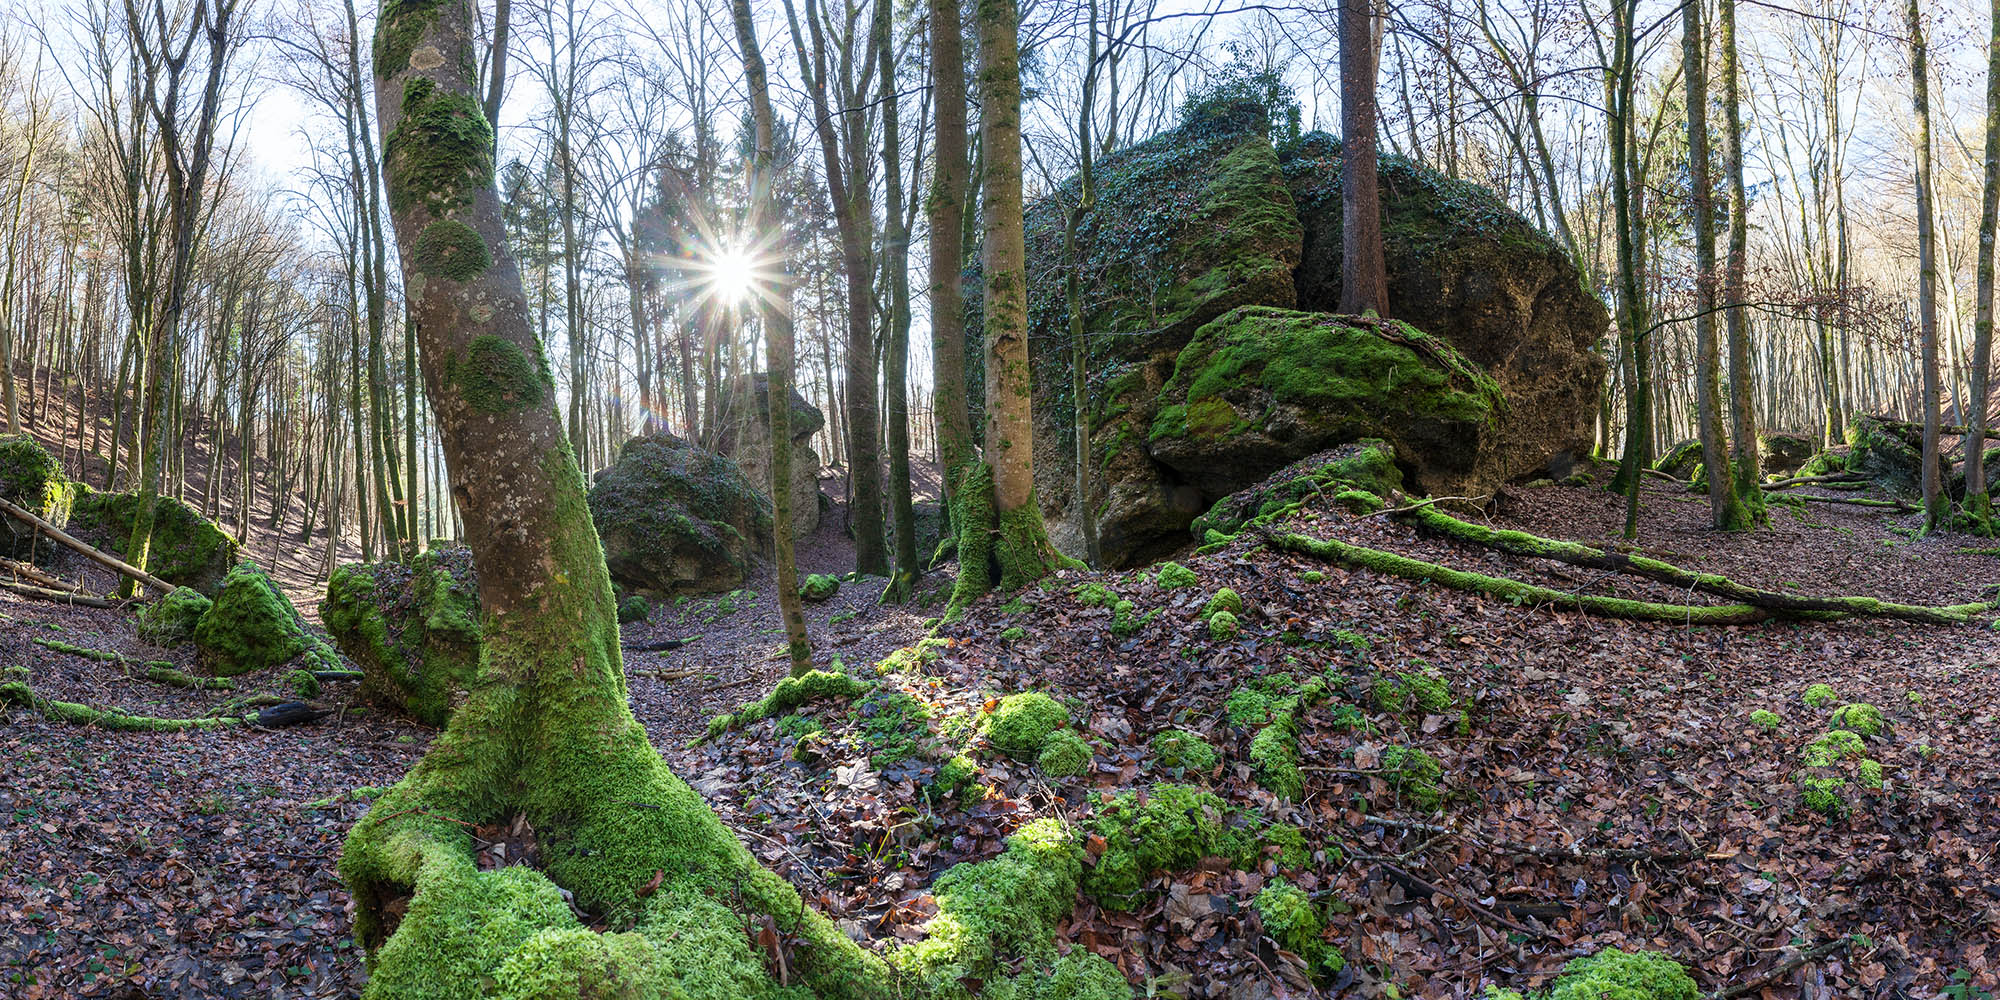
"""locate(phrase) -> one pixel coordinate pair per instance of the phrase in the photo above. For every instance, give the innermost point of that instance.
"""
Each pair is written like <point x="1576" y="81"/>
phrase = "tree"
<point x="1746" y="462"/>
<point x="775" y="306"/>
<point x="945" y="212"/>
<point x="1978" y="506"/>
<point x="546" y="736"/>
<point x="1937" y="506"/>
<point x="1000" y="531"/>
<point x="896" y="306"/>
<point x="1364" y="276"/>
<point x="1725" y="510"/>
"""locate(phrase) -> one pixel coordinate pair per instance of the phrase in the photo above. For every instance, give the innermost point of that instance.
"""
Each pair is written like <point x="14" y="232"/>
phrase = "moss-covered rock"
<point x="633" y="609"/>
<point x="1680" y="460"/>
<point x="1021" y="724"/>
<point x="32" y="479"/>
<point x="1619" y="975"/>
<point x="1783" y="453"/>
<point x="188" y="550"/>
<point x="1826" y="767"/>
<point x="1365" y="466"/>
<point x="1831" y="462"/>
<point x="253" y="626"/>
<point x="1065" y="755"/>
<point x="1890" y="452"/>
<point x="412" y="629"/>
<point x="1260" y="387"/>
<point x="677" y="519"/>
<point x="745" y="436"/>
<point x="1222" y="626"/>
<point x="1170" y="827"/>
<point x="1180" y="748"/>
<point x="170" y="620"/>
<point x="819" y="587"/>
<point x="789" y="694"/>
<point x="1224" y="599"/>
<point x="1173" y="575"/>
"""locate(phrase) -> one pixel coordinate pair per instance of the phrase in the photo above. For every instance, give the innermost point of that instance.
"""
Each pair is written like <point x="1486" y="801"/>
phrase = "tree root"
<point x="17" y="692"/>
<point x="1779" y="604"/>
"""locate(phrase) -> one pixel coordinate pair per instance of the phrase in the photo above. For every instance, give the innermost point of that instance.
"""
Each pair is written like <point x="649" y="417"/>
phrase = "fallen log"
<point x="290" y="713"/>
<point x="58" y="596"/>
<point x="104" y="559"/>
<point x="36" y="574"/>
<point x="1521" y="543"/>
<point x="1838" y="477"/>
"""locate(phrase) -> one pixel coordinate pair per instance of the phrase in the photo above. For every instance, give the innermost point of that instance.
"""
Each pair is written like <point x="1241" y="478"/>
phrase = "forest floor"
<point x="1605" y="789"/>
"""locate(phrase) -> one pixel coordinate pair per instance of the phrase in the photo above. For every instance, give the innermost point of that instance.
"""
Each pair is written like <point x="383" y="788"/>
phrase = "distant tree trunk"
<point x="775" y="305"/>
<point x="1079" y="346"/>
<point x="896" y="345"/>
<point x="1747" y="460"/>
<point x="1725" y="512"/>
<point x="1634" y="337"/>
<point x="1978" y="506"/>
<point x="945" y="209"/>
<point x="1364" y="276"/>
<point x="546" y="735"/>
<point x="998" y="519"/>
<point x="1937" y="505"/>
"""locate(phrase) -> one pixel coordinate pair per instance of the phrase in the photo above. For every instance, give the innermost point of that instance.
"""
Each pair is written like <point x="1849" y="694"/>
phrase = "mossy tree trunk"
<point x="945" y="209"/>
<point x="545" y="735"/>
<point x="1725" y="510"/>
<point x="1001" y="537"/>
<point x="1937" y="513"/>
<point x="1620" y="87"/>
<point x="1746" y="467"/>
<point x="1364" y="275"/>
<point x="1978" y="506"/>
<point x="775" y="305"/>
<point x="1079" y="344"/>
<point x="896" y="340"/>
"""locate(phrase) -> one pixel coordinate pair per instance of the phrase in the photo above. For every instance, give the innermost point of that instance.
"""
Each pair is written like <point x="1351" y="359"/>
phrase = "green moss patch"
<point x="1820" y="696"/>
<point x="789" y="694"/>
<point x="1619" y="975"/>
<point x="170" y="620"/>
<point x="253" y="626"/>
<point x="1173" y="575"/>
<point x="1020" y="724"/>
<point x="1860" y="717"/>
<point x="819" y="587"/>
<point x="17" y="692"/>
<point x="1179" y="748"/>
<point x="1291" y="920"/>
<point x="1415" y="775"/>
<point x="1065" y="755"/>
<point x="413" y="630"/>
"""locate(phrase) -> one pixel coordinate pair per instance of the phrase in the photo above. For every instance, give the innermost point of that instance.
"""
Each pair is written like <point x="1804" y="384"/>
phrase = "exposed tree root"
<point x="1777" y="603"/>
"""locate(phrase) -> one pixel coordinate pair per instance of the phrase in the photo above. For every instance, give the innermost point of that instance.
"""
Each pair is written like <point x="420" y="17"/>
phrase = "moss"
<point x="1290" y="919"/>
<point x="1357" y="502"/>
<point x="302" y="683"/>
<point x="171" y="619"/>
<point x="1415" y="774"/>
<point x="253" y="626"/>
<point x="413" y="630"/>
<point x="1827" y="763"/>
<point x="1173" y="575"/>
<point x="1293" y="850"/>
<point x="634" y="609"/>
<point x="1312" y="576"/>
<point x="819" y="587"/>
<point x="162" y="673"/>
<point x="448" y="248"/>
<point x="1126" y="621"/>
<point x="1013" y="634"/>
<point x="666" y="506"/>
<point x="1222" y="626"/>
<point x="1065" y="755"/>
<point x="1766" y="720"/>
<point x="1225" y="599"/>
<point x="1079" y="975"/>
<point x="496" y="378"/>
<point x="441" y="152"/>
<point x="18" y="692"/>
<point x="1179" y="748"/>
<point x="1020" y="724"/>
<point x="1169" y="827"/>
<point x="992" y="911"/>
<point x="1367" y="467"/>
<point x="32" y="479"/>
<point x="1820" y="696"/>
<point x="188" y="550"/>
<point x="956" y="776"/>
<point x="1274" y="758"/>
<point x="1422" y="689"/>
<point x="892" y="724"/>
<point x="1618" y="975"/>
<point x="789" y="694"/>
<point x="1094" y="595"/>
<point x="1860" y="717"/>
<point x="401" y="26"/>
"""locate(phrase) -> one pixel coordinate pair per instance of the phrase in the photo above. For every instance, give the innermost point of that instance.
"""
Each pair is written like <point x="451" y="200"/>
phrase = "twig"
<point x="1412" y="881"/>
<point x="1532" y="850"/>
<point x="1818" y="951"/>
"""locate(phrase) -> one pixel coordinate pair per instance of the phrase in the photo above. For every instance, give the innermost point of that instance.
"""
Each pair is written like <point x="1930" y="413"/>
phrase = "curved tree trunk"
<point x="545" y="739"/>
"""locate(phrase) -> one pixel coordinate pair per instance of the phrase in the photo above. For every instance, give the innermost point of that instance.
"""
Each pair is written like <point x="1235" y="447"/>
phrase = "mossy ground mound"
<point x="171" y="619"/>
<point x="677" y="519"/>
<point x="252" y="626"/>
<point x="188" y="550"/>
<point x="413" y="630"/>
<point x="31" y="478"/>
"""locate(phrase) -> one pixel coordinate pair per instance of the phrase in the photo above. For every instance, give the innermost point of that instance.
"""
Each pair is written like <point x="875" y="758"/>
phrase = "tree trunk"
<point x="1978" y="507"/>
<point x="946" y="211"/>
<point x="1725" y="512"/>
<point x="546" y="737"/>
<point x="1746" y="462"/>
<point x="1364" y="276"/>
<point x="1937" y="505"/>
<point x="896" y="345"/>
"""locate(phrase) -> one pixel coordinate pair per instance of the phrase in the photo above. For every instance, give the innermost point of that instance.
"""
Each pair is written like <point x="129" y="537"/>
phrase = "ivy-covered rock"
<point x="746" y="437"/>
<point x="253" y="626"/>
<point x="413" y="630"/>
<point x="171" y="619"/>
<point x="188" y="550"/>
<point x="31" y="478"/>
<point x="677" y="519"/>
<point x="1203" y="380"/>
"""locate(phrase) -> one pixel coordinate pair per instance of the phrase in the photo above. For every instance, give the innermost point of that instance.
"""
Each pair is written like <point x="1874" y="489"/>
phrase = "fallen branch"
<point x="1902" y="506"/>
<point x="58" y="596"/>
<point x="38" y="575"/>
<point x="1668" y="476"/>
<point x="1416" y="884"/>
<point x="1838" y="477"/>
<point x="106" y="560"/>
<point x="1818" y="951"/>
<point x="1533" y="850"/>
<point x="659" y="645"/>
<point x="1522" y="543"/>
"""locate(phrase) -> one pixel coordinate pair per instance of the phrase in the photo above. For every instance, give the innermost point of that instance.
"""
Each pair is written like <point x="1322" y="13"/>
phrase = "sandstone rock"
<point x="676" y="519"/>
<point x="746" y="437"/>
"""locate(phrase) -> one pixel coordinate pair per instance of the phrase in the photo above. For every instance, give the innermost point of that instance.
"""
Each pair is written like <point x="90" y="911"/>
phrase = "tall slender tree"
<point x="1747" y="458"/>
<point x="1978" y="506"/>
<point x="1937" y="505"/>
<point x="547" y="734"/>
<point x="945" y="211"/>
<point x="1725" y="511"/>
<point x="896" y="317"/>
<point x="1364" y="276"/>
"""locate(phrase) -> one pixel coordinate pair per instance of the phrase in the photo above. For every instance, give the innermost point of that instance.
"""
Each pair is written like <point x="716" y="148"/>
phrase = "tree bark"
<point x="1725" y="511"/>
<point x="1364" y="276"/>
<point x="1978" y="506"/>
<point x="1937" y="505"/>
<point x="946" y="213"/>
<point x="896" y="342"/>
<point x="1747" y="458"/>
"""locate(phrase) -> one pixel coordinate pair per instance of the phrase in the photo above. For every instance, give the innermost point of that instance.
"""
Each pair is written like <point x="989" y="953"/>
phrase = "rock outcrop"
<point x="188" y="550"/>
<point x="746" y="437"/>
<point x="675" y="518"/>
<point x="30" y="478"/>
<point x="1497" y="339"/>
<point x="413" y="630"/>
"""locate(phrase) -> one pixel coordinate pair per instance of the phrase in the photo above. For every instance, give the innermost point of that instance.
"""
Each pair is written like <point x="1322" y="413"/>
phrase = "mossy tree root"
<point x="1429" y="518"/>
<point x="17" y="692"/>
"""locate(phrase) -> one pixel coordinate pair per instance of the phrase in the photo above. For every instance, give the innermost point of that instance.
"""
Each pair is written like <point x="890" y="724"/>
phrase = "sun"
<point x="732" y="275"/>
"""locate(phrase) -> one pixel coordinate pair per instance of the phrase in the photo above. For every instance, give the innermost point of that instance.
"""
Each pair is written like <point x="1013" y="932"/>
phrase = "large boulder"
<point x="1886" y="450"/>
<point x="1196" y="223"/>
<point x="676" y="518"/>
<point x="30" y="478"/>
<point x="188" y="550"/>
<point x="746" y="437"/>
<point x="1783" y="453"/>
<point x="252" y="626"/>
<point x="413" y="630"/>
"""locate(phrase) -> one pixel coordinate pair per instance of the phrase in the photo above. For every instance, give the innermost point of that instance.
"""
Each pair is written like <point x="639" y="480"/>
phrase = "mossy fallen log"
<point x="17" y="692"/>
<point x="1429" y="518"/>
